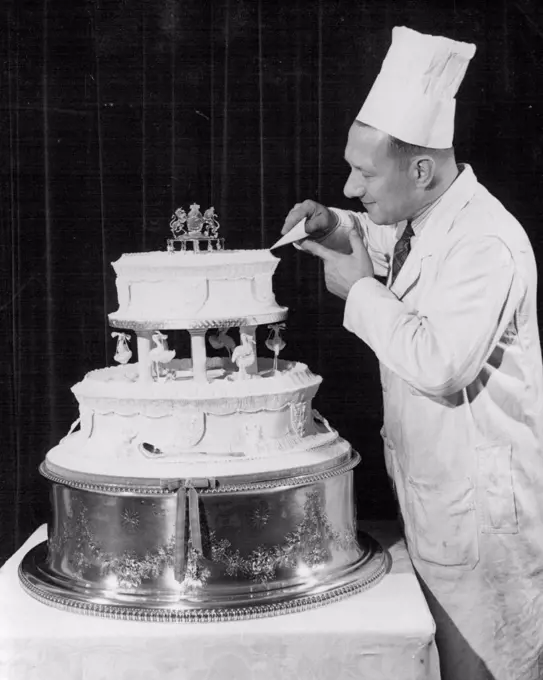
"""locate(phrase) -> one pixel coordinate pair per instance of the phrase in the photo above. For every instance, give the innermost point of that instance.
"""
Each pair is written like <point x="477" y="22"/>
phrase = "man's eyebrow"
<point x="357" y="167"/>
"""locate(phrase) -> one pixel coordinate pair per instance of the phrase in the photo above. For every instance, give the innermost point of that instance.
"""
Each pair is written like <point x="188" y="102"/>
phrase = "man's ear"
<point x="422" y="170"/>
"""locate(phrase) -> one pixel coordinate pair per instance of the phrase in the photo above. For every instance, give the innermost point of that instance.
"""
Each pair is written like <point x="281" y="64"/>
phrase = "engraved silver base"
<point x="41" y="584"/>
<point x="203" y="549"/>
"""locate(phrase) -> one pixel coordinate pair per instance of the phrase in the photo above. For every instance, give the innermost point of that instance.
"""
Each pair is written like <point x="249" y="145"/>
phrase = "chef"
<point x="456" y="335"/>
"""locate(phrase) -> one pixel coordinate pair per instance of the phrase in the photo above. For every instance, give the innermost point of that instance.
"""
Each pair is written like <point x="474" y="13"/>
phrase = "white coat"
<point x="457" y="340"/>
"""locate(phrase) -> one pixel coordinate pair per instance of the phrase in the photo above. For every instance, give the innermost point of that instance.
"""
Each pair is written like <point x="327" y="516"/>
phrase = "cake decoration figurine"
<point x="195" y="221"/>
<point x="275" y="342"/>
<point x="221" y="340"/>
<point x="244" y="355"/>
<point x="123" y="353"/>
<point x="211" y="223"/>
<point x="160" y="354"/>
<point x="178" y="222"/>
<point x="194" y="231"/>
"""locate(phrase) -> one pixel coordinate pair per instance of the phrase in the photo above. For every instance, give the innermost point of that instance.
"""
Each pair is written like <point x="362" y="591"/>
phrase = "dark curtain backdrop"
<point x="114" y="112"/>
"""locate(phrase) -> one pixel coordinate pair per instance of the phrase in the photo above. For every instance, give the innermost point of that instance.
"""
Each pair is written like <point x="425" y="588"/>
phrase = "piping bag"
<point x="297" y="233"/>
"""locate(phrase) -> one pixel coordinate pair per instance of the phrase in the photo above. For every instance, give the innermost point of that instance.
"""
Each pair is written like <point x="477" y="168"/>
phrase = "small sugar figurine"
<point x="222" y="340"/>
<point x="178" y="222"/>
<point x="160" y="354"/>
<point x="122" y="351"/>
<point x="275" y="342"/>
<point x="244" y="355"/>
<point x="195" y="221"/>
<point x="211" y="222"/>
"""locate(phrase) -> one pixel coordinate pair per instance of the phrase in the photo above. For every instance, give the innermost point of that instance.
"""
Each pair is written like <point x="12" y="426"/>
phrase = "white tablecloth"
<point x="385" y="633"/>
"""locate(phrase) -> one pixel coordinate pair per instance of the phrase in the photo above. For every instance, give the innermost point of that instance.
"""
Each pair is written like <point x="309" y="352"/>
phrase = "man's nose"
<point x="354" y="186"/>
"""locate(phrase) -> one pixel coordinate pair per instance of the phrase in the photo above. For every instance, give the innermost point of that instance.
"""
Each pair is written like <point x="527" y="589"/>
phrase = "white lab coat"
<point x="457" y="340"/>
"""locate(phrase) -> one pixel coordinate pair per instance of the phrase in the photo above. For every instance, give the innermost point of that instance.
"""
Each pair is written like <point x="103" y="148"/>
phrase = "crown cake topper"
<point x="194" y="231"/>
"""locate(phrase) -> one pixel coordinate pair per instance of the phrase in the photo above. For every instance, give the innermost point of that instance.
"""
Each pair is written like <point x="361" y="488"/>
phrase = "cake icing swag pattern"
<point x="204" y="487"/>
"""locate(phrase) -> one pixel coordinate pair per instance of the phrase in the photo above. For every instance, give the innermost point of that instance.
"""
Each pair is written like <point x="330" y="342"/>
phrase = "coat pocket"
<point x="496" y="491"/>
<point x="443" y="520"/>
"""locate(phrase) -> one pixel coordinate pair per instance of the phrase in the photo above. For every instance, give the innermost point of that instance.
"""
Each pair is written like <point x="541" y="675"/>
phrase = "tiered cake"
<point x="201" y="488"/>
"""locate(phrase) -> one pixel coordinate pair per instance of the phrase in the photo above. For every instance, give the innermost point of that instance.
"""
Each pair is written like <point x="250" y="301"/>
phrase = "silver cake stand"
<point x="203" y="550"/>
<point x="48" y="588"/>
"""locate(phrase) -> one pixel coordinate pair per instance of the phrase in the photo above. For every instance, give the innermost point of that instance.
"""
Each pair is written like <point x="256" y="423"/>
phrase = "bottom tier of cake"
<point x="203" y="549"/>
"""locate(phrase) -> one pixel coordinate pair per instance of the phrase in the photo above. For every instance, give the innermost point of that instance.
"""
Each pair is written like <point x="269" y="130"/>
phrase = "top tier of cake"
<point x="184" y="290"/>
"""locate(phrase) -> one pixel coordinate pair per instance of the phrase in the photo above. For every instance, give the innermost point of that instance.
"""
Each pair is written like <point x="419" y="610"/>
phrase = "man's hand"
<point x="341" y="272"/>
<point x="320" y="221"/>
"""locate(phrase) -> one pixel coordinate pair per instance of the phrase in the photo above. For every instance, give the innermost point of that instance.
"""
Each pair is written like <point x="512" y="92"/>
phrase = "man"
<point x="456" y="335"/>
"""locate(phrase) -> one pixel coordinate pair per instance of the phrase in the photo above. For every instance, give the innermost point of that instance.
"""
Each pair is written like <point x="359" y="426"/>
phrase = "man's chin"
<point x="378" y="219"/>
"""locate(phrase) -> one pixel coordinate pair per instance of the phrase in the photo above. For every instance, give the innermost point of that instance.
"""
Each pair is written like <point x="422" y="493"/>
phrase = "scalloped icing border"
<point x="297" y="383"/>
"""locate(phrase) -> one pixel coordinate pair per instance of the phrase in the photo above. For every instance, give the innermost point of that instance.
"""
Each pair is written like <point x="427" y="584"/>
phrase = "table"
<point x="385" y="633"/>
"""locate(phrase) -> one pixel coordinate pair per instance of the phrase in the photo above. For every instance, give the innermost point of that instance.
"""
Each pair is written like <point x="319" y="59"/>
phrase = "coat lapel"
<point x="410" y="272"/>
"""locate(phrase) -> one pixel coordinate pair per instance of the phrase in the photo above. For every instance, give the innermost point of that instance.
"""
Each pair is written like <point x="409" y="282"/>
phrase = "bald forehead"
<point x="367" y="147"/>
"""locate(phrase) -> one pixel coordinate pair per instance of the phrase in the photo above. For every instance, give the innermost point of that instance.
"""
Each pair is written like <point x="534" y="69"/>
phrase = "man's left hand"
<point x="341" y="272"/>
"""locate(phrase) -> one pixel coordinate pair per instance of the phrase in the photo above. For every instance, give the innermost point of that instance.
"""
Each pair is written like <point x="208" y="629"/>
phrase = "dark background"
<point x="114" y="112"/>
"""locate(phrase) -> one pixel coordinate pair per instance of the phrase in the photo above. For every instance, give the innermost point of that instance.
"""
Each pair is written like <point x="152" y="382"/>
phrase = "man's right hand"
<point x="319" y="223"/>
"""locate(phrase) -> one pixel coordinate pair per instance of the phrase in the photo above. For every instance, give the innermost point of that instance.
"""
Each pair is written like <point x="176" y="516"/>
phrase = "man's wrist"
<point x="330" y="231"/>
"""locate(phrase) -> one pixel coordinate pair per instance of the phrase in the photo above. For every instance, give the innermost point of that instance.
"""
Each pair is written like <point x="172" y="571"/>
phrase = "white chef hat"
<point x="412" y="98"/>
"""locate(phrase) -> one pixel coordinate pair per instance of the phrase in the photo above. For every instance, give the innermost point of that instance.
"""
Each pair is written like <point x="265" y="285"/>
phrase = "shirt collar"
<point x="457" y="189"/>
<point x="417" y="224"/>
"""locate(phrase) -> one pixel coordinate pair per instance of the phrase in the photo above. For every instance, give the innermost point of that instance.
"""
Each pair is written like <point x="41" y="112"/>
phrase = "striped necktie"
<point x="401" y="251"/>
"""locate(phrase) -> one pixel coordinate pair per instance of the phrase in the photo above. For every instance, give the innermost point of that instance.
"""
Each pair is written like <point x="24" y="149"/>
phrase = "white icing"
<point x="248" y="261"/>
<point x="262" y="288"/>
<point x="185" y="287"/>
<point x="78" y="456"/>
<point x="293" y="382"/>
<point x="269" y="412"/>
<point x="219" y="420"/>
